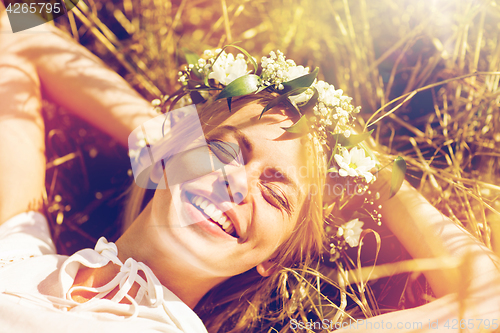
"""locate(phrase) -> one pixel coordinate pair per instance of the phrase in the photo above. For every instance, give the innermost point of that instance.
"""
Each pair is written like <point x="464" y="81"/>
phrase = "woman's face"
<point x="230" y="220"/>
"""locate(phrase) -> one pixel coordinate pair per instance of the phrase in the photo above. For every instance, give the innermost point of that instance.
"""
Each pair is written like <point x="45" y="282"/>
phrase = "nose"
<point x="236" y="180"/>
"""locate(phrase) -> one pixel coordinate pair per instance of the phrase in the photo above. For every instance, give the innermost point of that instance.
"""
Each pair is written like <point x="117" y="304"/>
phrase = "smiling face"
<point x="238" y="218"/>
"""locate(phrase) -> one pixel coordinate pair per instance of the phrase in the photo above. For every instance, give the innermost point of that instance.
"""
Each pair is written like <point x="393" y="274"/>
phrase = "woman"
<point x="158" y="272"/>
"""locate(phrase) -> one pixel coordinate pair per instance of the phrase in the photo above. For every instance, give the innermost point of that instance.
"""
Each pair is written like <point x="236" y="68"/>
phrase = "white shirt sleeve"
<point x="23" y="236"/>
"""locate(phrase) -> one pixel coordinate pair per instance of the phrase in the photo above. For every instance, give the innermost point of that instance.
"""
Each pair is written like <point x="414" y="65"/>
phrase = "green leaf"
<point x="262" y="87"/>
<point x="205" y="80"/>
<point x="352" y="140"/>
<point x="398" y="175"/>
<point x="308" y="106"/>
<point x="282" y="98"/>
<point x="191" y="57"/>
<point x="252" y="60"/>
<point x="300" y="127"/>
<point x="301" y="81"/>
<point x="202" y="88"/>
<point x="292" y="106"/>
<point x="229" y="100"/>
<point x="244" y="85"/>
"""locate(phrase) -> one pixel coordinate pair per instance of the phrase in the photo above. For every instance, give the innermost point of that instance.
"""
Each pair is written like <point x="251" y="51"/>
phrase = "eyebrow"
<point x="245" y="142"/>
<point x="285" y="178"/>
<point x="239" y="135"/>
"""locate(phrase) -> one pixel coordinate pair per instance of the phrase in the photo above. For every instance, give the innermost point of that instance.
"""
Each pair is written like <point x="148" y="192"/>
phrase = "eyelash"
<point x="276" y="200"/>
<point x="220" y="146"/>
<point x="280" y="201"/>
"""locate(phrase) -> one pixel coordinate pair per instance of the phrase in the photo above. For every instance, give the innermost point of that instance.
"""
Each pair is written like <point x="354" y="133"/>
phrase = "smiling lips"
<point x="214" y="213"/>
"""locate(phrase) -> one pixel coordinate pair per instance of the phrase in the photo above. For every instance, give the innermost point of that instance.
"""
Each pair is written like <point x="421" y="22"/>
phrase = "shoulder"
<point x="25" y="235"/>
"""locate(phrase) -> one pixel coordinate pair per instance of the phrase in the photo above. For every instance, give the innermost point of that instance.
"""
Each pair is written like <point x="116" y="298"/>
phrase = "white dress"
<point x="36" y="286"/>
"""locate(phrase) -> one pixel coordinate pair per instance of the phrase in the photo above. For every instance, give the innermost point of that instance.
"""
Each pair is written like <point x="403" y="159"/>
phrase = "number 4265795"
<point x="33" y="8"/>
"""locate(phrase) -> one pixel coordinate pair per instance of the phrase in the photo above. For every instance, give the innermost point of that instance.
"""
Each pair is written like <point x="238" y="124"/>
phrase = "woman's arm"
<point x="427" y="233"/>
<point x="22" y="145"/>
<point x="75" y="79"/>
<point x="42" y="61"/>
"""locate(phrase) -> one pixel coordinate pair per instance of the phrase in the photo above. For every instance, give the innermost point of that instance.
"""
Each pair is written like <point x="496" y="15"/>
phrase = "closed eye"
<point x="276" y="197"/>
<point x="226" y="152"/>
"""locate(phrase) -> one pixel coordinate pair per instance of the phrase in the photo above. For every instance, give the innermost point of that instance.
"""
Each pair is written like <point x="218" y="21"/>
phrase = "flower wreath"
<point x="326" y="117"/>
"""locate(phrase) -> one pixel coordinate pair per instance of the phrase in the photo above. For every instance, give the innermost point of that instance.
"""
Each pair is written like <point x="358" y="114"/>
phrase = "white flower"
<point x="294" y="72"/>
<point x="327" y="93"/>
<point x="302" y="97"/>
<point x="201" y="62"/>
<point x="227" y="68"/>
<point x="354" y="163"/>
<point x="276" y="69"/>
<point x="351" y="232"/>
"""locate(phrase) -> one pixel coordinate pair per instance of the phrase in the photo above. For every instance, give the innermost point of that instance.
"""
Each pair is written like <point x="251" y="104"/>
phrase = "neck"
<point x="188" y="288"/>
<point x="97" y="277"/>
<point x="186" y="285"/>
<point x="184" y="280"/>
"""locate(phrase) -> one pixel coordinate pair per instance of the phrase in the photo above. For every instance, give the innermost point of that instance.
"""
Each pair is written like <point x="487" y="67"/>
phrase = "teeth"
<point x="203" y="204"/>
<point x="222" y="220"/>
<point x="215" y="214"/>
<point x="230" y="229"/>
<point x="210" y="210"/>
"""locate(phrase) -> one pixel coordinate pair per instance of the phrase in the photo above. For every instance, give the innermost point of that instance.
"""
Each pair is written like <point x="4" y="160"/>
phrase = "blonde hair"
<point x="241" y="302"/>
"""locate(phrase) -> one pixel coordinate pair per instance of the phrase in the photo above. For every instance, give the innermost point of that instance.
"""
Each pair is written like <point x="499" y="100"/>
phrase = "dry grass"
<point x="426" y="74"/>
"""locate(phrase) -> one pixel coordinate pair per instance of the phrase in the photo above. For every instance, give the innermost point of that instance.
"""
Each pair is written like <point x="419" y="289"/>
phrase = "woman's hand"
<point x="43" y="61"/>
<point x="470" y="291"/>
<point x="427" y="233"/>
<point x="75" y="79"/>
<point x="473" y="287"/>
<point x="22" y="159"/>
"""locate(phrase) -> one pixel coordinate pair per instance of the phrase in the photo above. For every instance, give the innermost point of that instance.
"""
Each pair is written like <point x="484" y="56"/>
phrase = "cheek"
<point x="275" y="229"/>
<point x="161" y="200"/>
<point x="164" y="212"/>
<point x="162" y="197"/>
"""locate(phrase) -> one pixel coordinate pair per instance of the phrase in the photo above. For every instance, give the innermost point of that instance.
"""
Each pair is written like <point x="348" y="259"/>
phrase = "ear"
<point x="266" y="268"/>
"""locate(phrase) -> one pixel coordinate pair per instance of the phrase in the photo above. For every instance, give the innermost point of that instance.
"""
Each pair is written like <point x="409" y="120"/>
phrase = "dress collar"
<point x="151" y="292"/>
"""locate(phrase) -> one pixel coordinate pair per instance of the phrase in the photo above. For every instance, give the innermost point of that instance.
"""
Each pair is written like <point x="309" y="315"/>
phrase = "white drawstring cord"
<point x="150" y="288"/>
